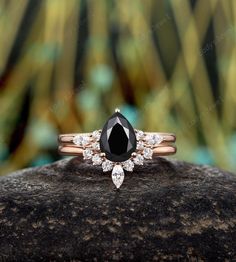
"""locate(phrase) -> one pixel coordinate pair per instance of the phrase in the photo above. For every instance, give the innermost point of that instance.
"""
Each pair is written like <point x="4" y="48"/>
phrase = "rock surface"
<point x="165" y="211"/>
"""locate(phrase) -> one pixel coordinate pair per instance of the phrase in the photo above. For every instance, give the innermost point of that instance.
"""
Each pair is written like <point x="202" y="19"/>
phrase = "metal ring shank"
<point x="76" y="151"/>
<point x="68" y="138"/>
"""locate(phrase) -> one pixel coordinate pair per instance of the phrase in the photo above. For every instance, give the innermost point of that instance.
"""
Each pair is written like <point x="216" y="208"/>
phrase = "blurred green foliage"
<point x="66" y="65"/>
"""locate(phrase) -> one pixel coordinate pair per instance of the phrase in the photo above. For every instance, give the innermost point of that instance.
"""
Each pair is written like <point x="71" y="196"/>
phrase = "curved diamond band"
<point x="117" y="146"/>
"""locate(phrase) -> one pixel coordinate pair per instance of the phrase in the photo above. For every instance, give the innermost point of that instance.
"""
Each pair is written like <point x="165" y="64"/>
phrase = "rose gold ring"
<point x="117" y="146"/>
<point x="77" y="151"/>
<point x="157" y="138"/>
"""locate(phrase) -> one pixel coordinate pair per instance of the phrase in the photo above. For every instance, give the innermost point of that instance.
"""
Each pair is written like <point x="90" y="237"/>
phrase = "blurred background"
<point x="65" y="65"/>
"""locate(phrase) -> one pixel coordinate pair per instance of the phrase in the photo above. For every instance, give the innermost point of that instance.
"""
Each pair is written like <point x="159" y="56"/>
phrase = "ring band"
<point x="76" y="151"/>
<point x="68" y="138"/>
<point x="117" y="147"/>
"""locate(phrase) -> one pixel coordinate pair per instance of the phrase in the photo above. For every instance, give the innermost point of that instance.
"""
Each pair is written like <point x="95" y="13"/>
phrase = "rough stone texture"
<point x="164" y="211"/>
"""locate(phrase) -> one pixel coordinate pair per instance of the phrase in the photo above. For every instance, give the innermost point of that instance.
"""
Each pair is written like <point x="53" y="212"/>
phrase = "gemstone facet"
<point x="140" y="145"/>
<point x="107" y="166"/>
<point x="118" y="175"/>
<point x="128" y="165"/>
<point x="118" y="139"/>
<point x="147" y="153"/>
<point x="97" y="160"/>
<point x="80" y="140"/>
<point x="96" y="146"/>
<point x="96" y="135"/>
<point x="139" y="134"/>
<point x="138" y="160"/>
<point x="153" y="139"/>
<point x="88" y="153"/>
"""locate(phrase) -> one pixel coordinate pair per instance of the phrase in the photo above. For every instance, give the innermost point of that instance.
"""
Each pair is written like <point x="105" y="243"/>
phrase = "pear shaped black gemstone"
<point x="118" y="139"/>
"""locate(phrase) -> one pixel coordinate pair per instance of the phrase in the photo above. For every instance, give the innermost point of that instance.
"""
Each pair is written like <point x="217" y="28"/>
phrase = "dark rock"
<point x="164" y="211"/>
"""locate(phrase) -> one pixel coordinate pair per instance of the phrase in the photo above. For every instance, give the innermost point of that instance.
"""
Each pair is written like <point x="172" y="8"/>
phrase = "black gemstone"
<point x="118" y="139"/>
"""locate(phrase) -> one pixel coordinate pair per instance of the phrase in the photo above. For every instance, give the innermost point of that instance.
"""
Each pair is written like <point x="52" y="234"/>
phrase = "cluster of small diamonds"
<point x="91" y="146"/>
<point x="90" y="143"/>
<point x="145" y="143"/>
<point x="92" y="152"/>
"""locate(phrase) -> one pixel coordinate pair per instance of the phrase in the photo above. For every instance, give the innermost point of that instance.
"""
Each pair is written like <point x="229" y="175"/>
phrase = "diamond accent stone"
<point x="138" y="160"/>
<point x="118" y="175"/>
<point x="97" y="160"/>
<point x="96" y="135"/>
<point x="118" y="139"/>
<point x="139" y="135"/>
<point x="147" y="153"/>
<point x="153" y="139"/>
<point x="107" y="165"/>
<point x="87" y="153"/>
<point x="140" y="145"/>
<point x="96" y="146"/>
<point x="158" y="139"/>
<point x="81" y="140"/>
<point x="128" y="165"/>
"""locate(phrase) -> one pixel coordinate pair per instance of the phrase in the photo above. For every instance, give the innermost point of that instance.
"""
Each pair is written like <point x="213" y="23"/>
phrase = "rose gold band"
<point x="118" y="147"/>
<point x="164" y="150"/>
<point x="68" y="138"/>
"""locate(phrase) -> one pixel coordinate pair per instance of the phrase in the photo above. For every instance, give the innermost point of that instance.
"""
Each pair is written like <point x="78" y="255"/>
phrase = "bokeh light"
<point x="168" y="65"/>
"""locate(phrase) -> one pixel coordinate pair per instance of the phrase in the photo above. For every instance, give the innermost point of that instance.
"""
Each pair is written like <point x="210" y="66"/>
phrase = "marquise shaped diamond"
<point x="118" y="175"/>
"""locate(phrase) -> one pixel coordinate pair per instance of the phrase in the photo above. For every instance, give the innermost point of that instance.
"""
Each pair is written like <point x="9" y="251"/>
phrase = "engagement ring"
<point x="118" y="146"/>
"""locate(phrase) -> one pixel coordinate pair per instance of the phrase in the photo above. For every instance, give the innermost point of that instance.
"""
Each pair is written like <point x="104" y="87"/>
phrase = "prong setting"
<point x="121" y="150"/>
<point x="92" y="151"/>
